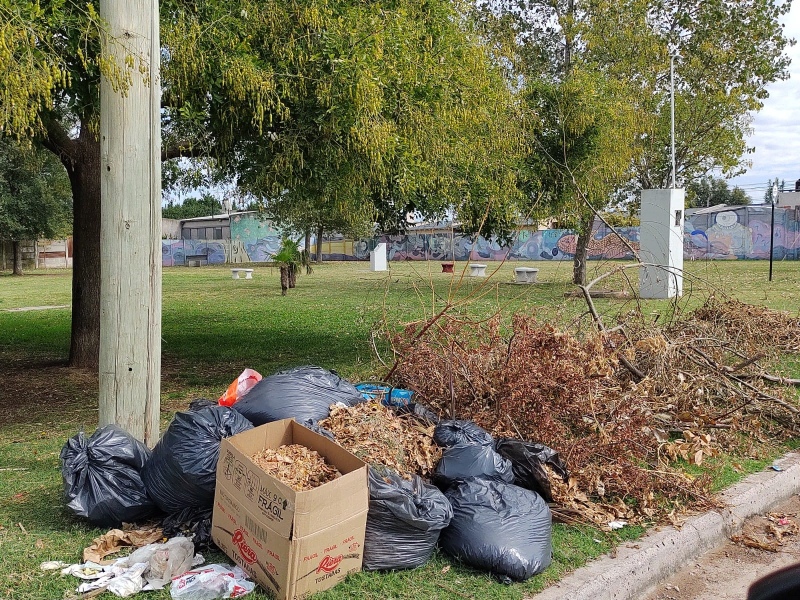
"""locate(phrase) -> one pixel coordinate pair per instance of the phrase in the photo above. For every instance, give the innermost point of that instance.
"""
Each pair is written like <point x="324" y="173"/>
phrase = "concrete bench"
<point x="477" y="270"/>
<point x="196" y="260"/>
<point x="447" y="267"/>
<point x="248" y="273"/>
<point x="525" y="275"/>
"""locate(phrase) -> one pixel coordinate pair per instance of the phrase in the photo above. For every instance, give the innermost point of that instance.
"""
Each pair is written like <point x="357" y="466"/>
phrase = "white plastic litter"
<point x="150" y="567"/>
<point x="614" y="525"/>
<point x="211" y="582"/>
<point x="88" y="570"/>
<point x="129" y="583"/>
<point x="52" y="565"/>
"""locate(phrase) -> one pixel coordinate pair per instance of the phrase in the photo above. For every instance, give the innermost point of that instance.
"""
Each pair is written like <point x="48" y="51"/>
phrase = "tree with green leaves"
<point x="727" y="52"/>
<point x="392" y="107"/>
<point x="190" y="208"/>
<point x="35" y="199"/>
<point x="769" y="194"/>
<point x="340" y="103"/>
<point x="712" y="191"/>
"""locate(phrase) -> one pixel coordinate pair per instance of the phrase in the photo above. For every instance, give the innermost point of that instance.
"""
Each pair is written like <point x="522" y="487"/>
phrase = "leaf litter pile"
<point x="632" y="409"/>
<point x="297" y="466"/>
<point x="379" y="437"/>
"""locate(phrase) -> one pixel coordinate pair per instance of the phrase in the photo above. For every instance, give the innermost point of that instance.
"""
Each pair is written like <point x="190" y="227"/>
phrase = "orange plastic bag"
<point x="240" y="386"/>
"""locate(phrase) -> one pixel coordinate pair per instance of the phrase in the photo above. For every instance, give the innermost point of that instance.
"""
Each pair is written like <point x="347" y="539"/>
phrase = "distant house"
<point x="214" y="227"/>
<point x="788" y="199"/>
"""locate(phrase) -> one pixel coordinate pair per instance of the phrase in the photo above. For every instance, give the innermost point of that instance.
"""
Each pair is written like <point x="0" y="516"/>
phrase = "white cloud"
<point x="776" y="128"/>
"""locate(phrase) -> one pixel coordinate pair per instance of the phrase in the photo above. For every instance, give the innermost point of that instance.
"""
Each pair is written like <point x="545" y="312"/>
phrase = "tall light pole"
<point x="772" y="225"/>
<point x="672" y="112"/>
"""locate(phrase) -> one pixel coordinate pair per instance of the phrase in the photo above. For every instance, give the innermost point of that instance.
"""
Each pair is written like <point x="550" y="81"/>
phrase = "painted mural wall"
<point x="741" y="233"/>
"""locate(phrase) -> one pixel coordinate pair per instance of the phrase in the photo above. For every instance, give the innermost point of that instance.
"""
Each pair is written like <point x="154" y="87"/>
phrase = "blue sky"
<point x="776" y="128"/>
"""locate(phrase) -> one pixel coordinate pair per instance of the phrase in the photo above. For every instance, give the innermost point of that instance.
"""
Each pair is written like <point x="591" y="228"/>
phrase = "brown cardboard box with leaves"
<point x="294" y="543"/>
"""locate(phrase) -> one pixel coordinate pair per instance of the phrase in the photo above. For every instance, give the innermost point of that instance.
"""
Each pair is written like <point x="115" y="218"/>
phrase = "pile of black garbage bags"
<point x="486" y="506"/>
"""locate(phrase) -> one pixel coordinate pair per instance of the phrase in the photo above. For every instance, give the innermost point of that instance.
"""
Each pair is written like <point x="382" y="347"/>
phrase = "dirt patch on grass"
<point x="36" y="388"/>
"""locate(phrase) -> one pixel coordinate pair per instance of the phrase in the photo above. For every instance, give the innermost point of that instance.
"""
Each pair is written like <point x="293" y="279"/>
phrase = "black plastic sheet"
<point x="182" y="471"/>
<point x="465" y="460"/>
<point x="317" y="428"/>
<point x="450" y="433"/>
<point x="300" y="393"/>
<point x="498" y="527"/>
<point x="102" y="477"/>
<point x="403" y="522"/>
<point x="528" y="460"/>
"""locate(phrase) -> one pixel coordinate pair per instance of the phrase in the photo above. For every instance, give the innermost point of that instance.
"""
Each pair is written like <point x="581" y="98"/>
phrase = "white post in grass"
<point x="130" y="236"/>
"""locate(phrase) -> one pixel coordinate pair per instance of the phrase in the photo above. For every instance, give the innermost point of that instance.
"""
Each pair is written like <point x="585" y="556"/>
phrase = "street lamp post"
<point x="672" y="112"/>
<point x="772" y="226"/>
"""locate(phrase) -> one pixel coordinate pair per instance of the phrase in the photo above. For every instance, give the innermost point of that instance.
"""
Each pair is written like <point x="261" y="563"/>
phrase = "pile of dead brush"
<point x="626" y="407"/>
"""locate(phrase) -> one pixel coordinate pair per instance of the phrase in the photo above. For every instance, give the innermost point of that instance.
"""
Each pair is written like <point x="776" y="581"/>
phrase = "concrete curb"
<point x="659" y="554"/>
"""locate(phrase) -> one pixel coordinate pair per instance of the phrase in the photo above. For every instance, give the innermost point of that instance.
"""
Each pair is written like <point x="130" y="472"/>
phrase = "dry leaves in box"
<point x="297" y="466"/>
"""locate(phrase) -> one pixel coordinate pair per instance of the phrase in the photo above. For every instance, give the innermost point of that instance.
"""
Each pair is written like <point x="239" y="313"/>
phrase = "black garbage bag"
<point x="317" y="428"/>
<point x="182" y="471"/>
<point x="403" y="522"/>
<point x="199" y="403"/>
<point x="102" y="477"/>
<point x="191" y="522"/>
<point x="465" y="460"/>
<point x="498" y="527"/>
<point x="449" y="433"/>
<point x="419" y="411"/>
<point x="300" y="393"/>
<point x="528" y="460"/>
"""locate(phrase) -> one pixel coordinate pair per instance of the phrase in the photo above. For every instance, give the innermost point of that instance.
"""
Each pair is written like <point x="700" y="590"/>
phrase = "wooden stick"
<point x="596" y="317"/>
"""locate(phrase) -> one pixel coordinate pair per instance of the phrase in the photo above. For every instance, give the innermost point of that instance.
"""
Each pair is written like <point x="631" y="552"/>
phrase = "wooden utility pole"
<point x="130" y="236"/>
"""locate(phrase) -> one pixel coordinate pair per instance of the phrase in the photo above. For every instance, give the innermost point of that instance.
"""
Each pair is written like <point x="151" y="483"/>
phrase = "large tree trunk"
<point x="319" y="244"/>
<point x="582" y="251"/>
<point x="83" y="166"/>
<point x="17" y="258"/>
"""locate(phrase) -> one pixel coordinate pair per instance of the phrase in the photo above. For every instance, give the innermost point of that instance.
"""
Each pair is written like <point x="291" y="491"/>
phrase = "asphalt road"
<point x="726" y="572"/>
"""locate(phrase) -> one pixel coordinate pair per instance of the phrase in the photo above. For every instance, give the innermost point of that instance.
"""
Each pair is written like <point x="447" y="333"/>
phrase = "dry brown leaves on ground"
<point x="624" y="438"/>
<point x="768" y="532"/>
<point x="297" y="466"/>
<point x="378" y="436"/>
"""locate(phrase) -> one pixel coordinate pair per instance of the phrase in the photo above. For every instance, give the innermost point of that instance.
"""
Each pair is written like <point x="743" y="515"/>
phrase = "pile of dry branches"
<point x="622" y="406"/>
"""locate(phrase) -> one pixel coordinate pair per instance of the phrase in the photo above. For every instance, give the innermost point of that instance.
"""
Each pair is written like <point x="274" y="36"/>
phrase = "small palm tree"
<point x="290" y="258"/>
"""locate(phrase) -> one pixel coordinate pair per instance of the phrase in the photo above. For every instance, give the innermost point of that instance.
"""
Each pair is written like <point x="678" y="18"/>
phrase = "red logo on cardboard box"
<point x="248" y="554"/>
<point x="329" y="563"/>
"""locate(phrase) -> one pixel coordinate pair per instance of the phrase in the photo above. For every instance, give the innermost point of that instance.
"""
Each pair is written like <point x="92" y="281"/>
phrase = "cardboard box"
<point x="292" y="543"/>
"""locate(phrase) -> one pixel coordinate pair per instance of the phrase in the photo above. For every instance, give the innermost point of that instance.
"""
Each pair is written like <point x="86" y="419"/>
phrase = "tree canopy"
<point x="608" y="63"/>
<point x="191" y="207"/>
<point x="341" y="114"/>
<point x="711" y="191"/>
<point x="35" y="199"/>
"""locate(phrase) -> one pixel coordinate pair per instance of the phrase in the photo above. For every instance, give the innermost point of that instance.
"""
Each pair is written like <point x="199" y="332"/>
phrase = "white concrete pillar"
<point x="661" y="243"/>
<point x="377" y="258"/>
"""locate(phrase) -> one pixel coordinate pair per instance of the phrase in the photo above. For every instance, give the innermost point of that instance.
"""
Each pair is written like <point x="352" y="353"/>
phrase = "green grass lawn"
<point x="214" y="326"/>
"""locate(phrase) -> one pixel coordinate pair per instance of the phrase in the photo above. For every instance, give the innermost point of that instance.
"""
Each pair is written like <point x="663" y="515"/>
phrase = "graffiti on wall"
<point x="259" y="238"/>
<point x="175" y="253"/>
<point x="742" y="233"/>
<point x="737" y="233"/>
